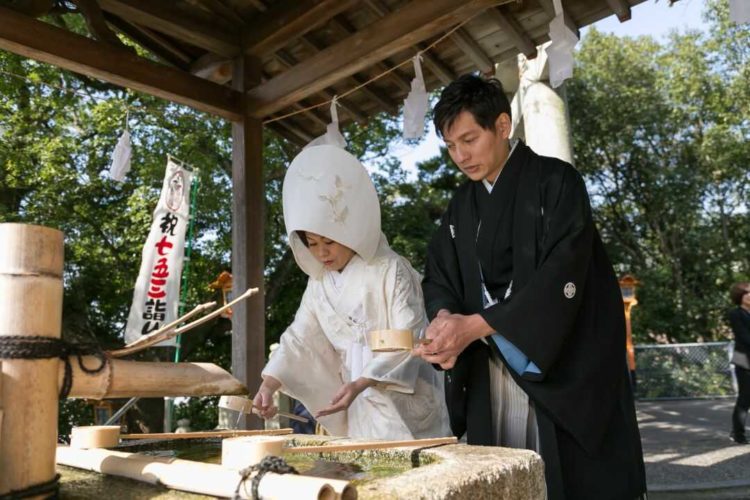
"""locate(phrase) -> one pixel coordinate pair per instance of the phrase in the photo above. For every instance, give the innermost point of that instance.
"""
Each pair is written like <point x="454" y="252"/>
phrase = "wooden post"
<point x="248" y="317"/>
<point x="31" y="291"/>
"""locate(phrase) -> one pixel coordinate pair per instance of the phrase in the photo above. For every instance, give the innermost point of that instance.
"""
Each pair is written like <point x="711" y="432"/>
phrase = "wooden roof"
<point x="307" y="50"/>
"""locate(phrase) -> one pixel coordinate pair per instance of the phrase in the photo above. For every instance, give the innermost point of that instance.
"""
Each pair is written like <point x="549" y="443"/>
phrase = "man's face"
<point x="479" y="153"/>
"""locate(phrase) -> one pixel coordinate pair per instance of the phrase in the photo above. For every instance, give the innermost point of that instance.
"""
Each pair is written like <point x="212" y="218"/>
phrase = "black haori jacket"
<point x="565" y="313"/>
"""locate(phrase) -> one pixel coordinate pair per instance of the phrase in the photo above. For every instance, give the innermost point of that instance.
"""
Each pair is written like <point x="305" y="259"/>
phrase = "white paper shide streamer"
<point x="416" y="104"/>
<point x="121" y="158"/>
<point x="332" y="136"/>
<point x="560" y="51"/>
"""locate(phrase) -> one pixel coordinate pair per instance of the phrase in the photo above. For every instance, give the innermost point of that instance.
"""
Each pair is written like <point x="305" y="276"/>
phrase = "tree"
<point x="661" y="134"/>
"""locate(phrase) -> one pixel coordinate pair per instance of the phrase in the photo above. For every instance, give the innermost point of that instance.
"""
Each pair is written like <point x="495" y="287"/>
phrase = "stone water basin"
<point x="449" y="471"/>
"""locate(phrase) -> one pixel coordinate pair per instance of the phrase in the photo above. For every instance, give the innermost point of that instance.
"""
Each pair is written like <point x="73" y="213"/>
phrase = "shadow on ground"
<point x="688" y="453"/>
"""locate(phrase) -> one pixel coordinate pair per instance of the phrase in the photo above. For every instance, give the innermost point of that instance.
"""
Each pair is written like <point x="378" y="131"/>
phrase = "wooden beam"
<point x="288" y="19"/>
<point x="549" y="9"/>
<point x="402" y="82"/>
<point x="381" y="100"/>
<point x="248" y="221"/>
<point x="34" y="39"/>
<point x="506" y="22"/>
<point x="414" y="22"/>
<point x="354" y="112"/>
<point x="154" y="43"/>
<point x="433" y="63"/>
<point x="218" y="37"/>
<point x="215" y="68"/>
<point x="473" y="51"/>
<point x="621" y="8"/>
<point x="223" y="10"/>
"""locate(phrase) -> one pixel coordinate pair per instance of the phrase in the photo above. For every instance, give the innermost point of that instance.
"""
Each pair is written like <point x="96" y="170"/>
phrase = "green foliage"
<point x="661" y="134"/>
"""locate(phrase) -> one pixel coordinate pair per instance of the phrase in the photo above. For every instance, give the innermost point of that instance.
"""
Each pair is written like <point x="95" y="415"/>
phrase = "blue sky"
<point x="655" y="18"/>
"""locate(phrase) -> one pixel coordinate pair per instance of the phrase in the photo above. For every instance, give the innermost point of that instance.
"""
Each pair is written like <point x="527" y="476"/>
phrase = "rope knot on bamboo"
<point x="269" y="464"/>
<point x="33" y="347"/>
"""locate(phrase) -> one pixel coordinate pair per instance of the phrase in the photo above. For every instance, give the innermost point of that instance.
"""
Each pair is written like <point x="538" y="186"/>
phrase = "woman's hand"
<point x="345" y="395"/>
<point x="263" y="400"/>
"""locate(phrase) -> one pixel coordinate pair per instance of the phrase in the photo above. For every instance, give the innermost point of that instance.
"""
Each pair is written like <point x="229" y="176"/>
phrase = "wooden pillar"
<point x="31" y="291"/>
<point x="248" y="200"/>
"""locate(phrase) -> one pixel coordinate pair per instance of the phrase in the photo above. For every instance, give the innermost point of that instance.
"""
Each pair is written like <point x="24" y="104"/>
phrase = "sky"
<point x="655" y="18"/>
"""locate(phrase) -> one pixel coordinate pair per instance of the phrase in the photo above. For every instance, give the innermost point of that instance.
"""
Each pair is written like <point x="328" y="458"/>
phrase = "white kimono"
<point x="326" y="347"/>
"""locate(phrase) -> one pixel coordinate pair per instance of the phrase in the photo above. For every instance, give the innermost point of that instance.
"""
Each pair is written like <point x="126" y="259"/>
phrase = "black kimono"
<point x="534" y="232"/>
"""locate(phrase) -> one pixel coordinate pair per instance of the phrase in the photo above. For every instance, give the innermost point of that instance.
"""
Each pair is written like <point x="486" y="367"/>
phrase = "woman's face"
<point x="746" y="300"/>
<point x="334" y="256"/>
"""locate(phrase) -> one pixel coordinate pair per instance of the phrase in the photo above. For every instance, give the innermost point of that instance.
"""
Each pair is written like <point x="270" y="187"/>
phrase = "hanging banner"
<point x="157" y="290"/>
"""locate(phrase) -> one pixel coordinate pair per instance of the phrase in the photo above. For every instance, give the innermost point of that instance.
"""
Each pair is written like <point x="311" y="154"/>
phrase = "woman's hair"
<point x="303" y="236"/>
<point x="737" y="291"/>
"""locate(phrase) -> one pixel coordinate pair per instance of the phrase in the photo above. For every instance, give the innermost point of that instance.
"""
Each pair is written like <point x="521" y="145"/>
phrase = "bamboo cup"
<point x="95" y="436"/>
<point x="243" y="451"/>
<point x="31" y="290"/>
<point x="390" y="340"/>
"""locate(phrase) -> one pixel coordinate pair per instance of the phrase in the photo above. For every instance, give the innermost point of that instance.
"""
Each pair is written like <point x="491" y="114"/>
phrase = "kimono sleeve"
<point x="307" y="365"/>
<point x="398" y="371"/>
<point x="441" y="274"/>
<point x="540" y="316"/>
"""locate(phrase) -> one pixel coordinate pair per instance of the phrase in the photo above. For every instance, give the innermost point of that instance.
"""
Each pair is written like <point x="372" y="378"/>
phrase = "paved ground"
<point x="688" y="453"/>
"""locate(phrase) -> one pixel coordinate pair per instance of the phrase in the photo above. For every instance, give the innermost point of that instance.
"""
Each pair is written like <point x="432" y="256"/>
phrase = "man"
<point x="525" y="309"/>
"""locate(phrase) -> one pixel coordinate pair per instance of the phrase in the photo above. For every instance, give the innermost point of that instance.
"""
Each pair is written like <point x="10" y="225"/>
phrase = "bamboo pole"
<point x="196" y="477"/>
<point x="31" y="290"/>
<point x="245" y="405"/>
<point x="166" y="332"/>
<point x="372" y="445"/>
<point x="125" y="379"/>
<point x="207" y="434"/>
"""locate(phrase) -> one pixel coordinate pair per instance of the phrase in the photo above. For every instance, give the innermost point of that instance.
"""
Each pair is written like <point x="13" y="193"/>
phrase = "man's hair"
<point x="738" y="291"/>
<point x="484" y="99"/>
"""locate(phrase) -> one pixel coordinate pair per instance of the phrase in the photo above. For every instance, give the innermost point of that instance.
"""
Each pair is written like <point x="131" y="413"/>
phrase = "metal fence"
<point x="684" y="371"/>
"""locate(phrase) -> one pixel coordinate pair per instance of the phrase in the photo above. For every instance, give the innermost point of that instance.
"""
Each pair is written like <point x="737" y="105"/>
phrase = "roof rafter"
<point x="288" y="19"/>
<point x="438" y="68"/>
<point x="212" y="35"/>
<point x="399" y="30"/>
<point x="38" y="40"/>
<point x="510" y="26"/>
<point x="473" y="51"/>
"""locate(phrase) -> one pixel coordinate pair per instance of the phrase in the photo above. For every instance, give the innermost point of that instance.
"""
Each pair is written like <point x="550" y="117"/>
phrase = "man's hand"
<point x="263" y="400"/>
<point x="450" y="334"/>
<point x="345" y="395"/>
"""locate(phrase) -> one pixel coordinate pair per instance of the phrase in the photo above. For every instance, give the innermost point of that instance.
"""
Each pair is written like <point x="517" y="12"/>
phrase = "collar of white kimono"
<point x="487" y="184"/>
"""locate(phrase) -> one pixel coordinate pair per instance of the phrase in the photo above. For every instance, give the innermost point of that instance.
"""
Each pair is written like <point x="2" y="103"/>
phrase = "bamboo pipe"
<point x="196" y="477"/>
<point x="207" y="434"/>
<point x="31" y="290"/>
<point x="125" y="379"/>
<point x="372" y="445"/>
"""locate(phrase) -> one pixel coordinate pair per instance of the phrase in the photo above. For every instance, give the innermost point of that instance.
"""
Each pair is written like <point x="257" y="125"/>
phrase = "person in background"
<point x="739" y="320"/>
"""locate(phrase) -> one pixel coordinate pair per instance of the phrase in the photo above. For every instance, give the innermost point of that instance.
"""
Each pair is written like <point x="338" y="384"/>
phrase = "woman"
<point x="356" y="284"/>
<point x="739" y="319"/>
